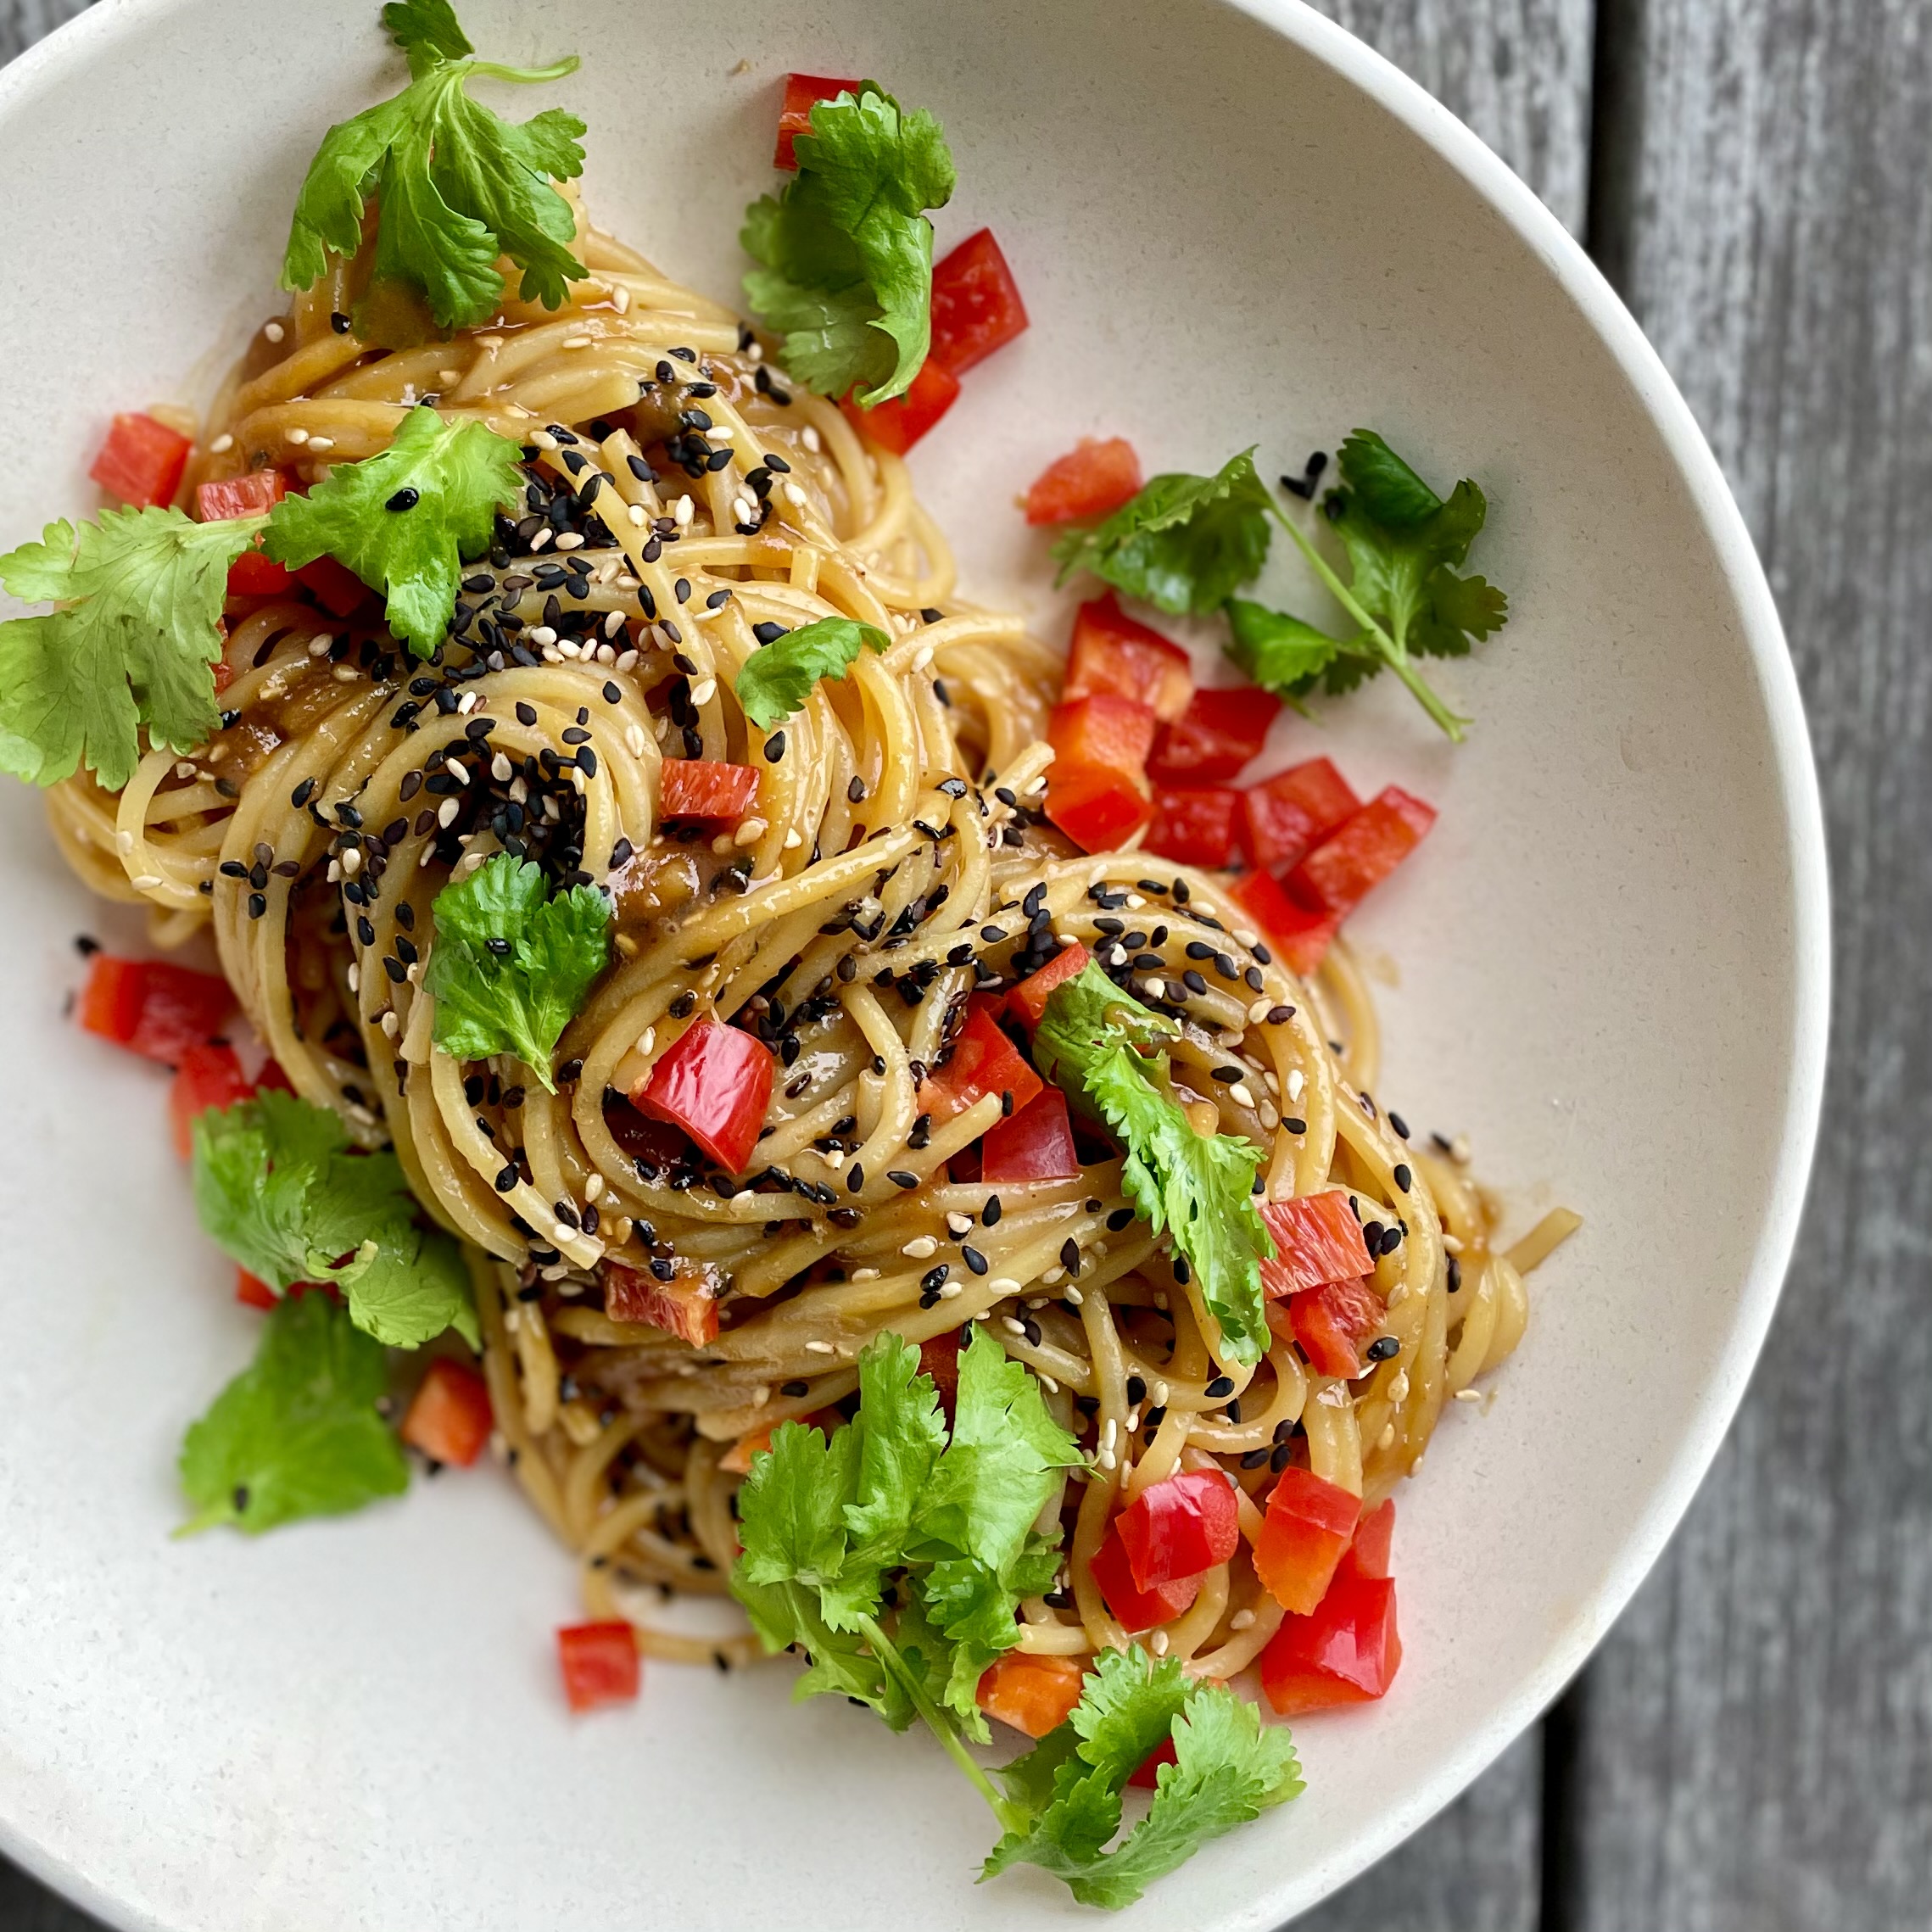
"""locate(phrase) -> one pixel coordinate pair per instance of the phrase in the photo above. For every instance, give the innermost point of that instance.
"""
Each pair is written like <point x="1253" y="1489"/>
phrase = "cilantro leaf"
<point x="133" y="646"/>
<point x="846" y="250"/>
<point x="278" y="1188"/>
<point x="405" y="520"/>
<point x="518" y="1001"/>
<point x="1291" y="658"/>
<point x="1183" y="544"/>
<point x="1090" y="1042"/>
<point x="779" y="676"/>
<point x="296" y="1433"/>
<point x="456" y="186"/>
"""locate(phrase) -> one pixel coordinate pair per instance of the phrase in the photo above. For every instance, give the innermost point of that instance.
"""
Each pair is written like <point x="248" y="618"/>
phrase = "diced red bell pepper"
<point x="251" y="1291"/>
<point x="1097" y="806"/>
<point x="1133" y="1608"/>
<point x="803" y="92"/>
<point x="897" y="425"/>
<point x="253" y="575"/>
<point x="984" y="1061"/>
<point x="1300" y="937"/>
<point x="1368" y="1554"/>
<point x="1303" y="1537"/>
<point x="975" y="303"/>
<point x="1179" y="1527"/>
<point x="939" y="1357"/>
<point x="1194" y="824"/>
<point x="1330" y="1324"/>
<point x="1317" y="1239"/>
<point x="1096" y="790"/>
<point x="705" y="788"/>
<point x="599" y="1664"/>
<point x="253" y="495"/>
<point x="1215" y="737"/>
<point x="1036" y="1144"/>
<point x="338" y="589"/>
<point x="1113" y="652"/>
<point x="449" y="1417"/>
<point x="1035" y="1695"/>
<point x="1282" y="816"/>
<point x="153" y="1007"/>
<point x="714" y="1083"/>
<point x="208" y="1074"/>
<point x="1348" y="1652"/>
<point x="737" y="1459"/>
<point x="1092" y="480"/>
<point x="1360" y="853"/>
<point x="1027" y="1001"/>
<point x="1148" y="1777"/>
<point x="141" y="461"/>
<point x="683" y="1306"/>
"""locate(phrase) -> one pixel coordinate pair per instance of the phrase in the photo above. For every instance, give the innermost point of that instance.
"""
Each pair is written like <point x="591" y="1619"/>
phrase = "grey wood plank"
<point x="1756" y="1736"/>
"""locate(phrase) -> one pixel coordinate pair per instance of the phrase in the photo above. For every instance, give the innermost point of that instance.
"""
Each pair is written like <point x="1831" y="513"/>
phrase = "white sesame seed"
<point x="298" y="436"/>
<point x="1158" y="1643"/>
<point x="184" y="768"/>
<point x="1386" y="1438"/>
<point x="540" y="634"/>
<point x="1156" y="987"/>
<point x="499" y="768"/>
<point x="448" y="377"/>
<point x="456" y="768"/>
<point x="1012" y="1325"/>
<point x="820" y="1348"/>
<point x="392" y="1023"/>
<point x="1242" y="1094"/>
<point x="959" y="1223"/>
<point x="221" y="444"/>
<point x="810" y="439"/>
<point x="792" y="841"/>
<point x="949" y="1289"/>
<point x="1399" y="1387"/>
<point x="634" y="740"/>
<point x="146" y="882"/>
<point x="578" y="340"/>
<point x="1260" y="1011"/>
<point x="351" y="861"/>
<point x="620" y="299"/>
<point x="721" y="432"/>
<point x="627" y="660"/>
<point x="1056" y="1273"/>
<point x="446" y="814"/>
<point x="1241" y="1620"/>
<point x="794" y="495"/>
<point x="542" y="439"/>
<point x="570" y="540"/>
<point x="321" y="443"/>
<point x="541" y="539"/>
<point x="274" y="332"/>
<point x="704" y="690"/>
<point x="1002" y="1286"/>
<point x="346" y="674"/>
<point x="1108" y="1461"/>
<point x="319" y="647"/>
<point x="613" y="624"/>
<point x="1075" y="1296"/>
<point x="638" y="514"/>
<point x="355" y="977"/>
<point x="920" y="1248"/>
<point x="1469" y="1395"/>
<point x="683" y="511"/>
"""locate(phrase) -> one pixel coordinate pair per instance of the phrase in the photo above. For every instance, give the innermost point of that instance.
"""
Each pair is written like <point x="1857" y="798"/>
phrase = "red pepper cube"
<point x="253" y="495"/>
<point x="1299" y="936"/>
<point x="1348" y="1652"/>
<point x="684" y="1305"/>
<point x="1097" y="807"/>
<point x="1179" y="1527"/>
<point x="338" y="589"/>
<point x="1369" y="1553"/>
<point x="141" y="461"/>
<point x="1281" y="817"/>
<point x="1317" y="1239"/>
<point x="982" y="1061"/>
<point x="153" y="1007"/>
<point x="1194" y="825"/>
<point x="1113" y="652"/>
<point x="1027" y="1001"/>
<point x="1092" y="480"/>
<point x="1361" y="852"/>
<point x="1133" y="1608"/>
<point x="1035" y="1695"/>
<point x="208" y="1074"/>
<point x="705" y="788"/>
<point x="1036" y="1144"/>
<point x="975" y="304"/>
<point x="449" y="1417"/>
<point x="897" y="425"/>
<point x="251" y="1291"/>
<point x="713" y="1083"/>
<point x="1218" y="734"/>
<point x="253" y="575"/>
<point x="803" y="92"/>
<point x="1303" y="1537"/>
<point x="1148" y="1777"/>
<point x="939" y="1358"/>
<point x="1096" y="790"/>
<point x="1330" y="1324"/>
<point x="599" y="1664"/>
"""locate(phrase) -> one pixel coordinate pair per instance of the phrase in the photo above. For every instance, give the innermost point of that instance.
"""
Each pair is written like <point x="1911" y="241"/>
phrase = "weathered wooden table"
<point x="1751" y="1750"/>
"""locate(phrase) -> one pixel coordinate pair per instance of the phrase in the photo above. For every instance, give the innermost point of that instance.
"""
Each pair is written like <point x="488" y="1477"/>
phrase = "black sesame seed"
<point x="1382" y="1348"/>
<point x="1221" y="1385"/>
<point x="1403" y="1177"/>
<point x="900" y="1178"/>
<point x="406" y="498"/>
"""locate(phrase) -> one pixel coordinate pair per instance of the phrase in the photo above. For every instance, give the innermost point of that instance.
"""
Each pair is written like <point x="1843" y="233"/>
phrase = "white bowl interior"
<point x="1608" y="962"/>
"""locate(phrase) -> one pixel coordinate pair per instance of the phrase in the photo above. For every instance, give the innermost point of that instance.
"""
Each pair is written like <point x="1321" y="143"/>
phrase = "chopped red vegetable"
<point x="984" y="1061"/>
<point x="1097" y="807"/>
<point x="975" y="304"/>
<point x="897" y="425"/>
<point x="449" y="1417"/>
<point x="1300" y="937"/>
<point x="253" y="495"/>
<point x="1036" y="1144"/>
<point x="1360" y="853"/>
<point x="251" y="1291"/>
<point x="1347" y="1652"/>
<point x="153" y="1007"/>
<point x="1332" y="1324"/>
<point x="253" y="575"/>
<point x="803" y="92"/>
<point x="714" y="1083"/>
<point x="599" y="1664"/>
<point x="1317" y="1239"/>
<point x="207" y="1075"/>
<point x="1303" y="1537"/>
<point x="338" y="589"/>
<point x="1148" y="1777"/>
<point x="754" y="1441"/>
<point x="1282" y="816"/>
<point x="1096" y="788"/>
<point x="684" y="1305"/>
<point x="1027" y="1001"/>
<point x="1215" y="737"/>
<point x="141" y="461"/>
<point x="939" y="1357"/>
<point x="1092" y="480"/>
<point x="1368" y="1554"/>
<point x="1113" y="652"/>
<point x="1102" y="729"/>
<point x="1033" y="1693"/>
<point x="1179" y="1527"/>
<point x="705" y="788"/>
<point x="1194" y="824"/>
<point x="1132" y="1607"/>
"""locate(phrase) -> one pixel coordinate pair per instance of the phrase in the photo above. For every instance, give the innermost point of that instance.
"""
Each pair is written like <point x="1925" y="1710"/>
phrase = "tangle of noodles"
<point x="896" y="830"/>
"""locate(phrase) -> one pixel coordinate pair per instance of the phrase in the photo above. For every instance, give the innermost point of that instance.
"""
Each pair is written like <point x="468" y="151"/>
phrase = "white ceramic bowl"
<point x="1231" y="226"/>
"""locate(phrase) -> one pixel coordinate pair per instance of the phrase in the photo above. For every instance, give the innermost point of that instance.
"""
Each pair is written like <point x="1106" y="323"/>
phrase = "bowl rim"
<point x="1455" y="146"/>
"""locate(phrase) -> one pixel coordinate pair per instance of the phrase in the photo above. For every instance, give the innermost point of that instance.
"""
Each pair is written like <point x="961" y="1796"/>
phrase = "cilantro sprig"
<point x="846" y="250"/>
<point x="278" y="1188"/>
<point x="1101" y="1047"/>
<point x="779" y="676"/>
<point x="456" y="185"/>
<point x="510" y="964"/>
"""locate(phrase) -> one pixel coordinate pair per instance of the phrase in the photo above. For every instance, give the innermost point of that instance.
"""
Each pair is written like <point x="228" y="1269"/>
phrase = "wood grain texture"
<point x="1756" y="1742"/>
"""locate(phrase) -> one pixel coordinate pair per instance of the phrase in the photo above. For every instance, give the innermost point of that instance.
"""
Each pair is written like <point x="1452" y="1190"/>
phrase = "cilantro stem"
<point x="555" y="71"/>
<point x="1394" y="654"/>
